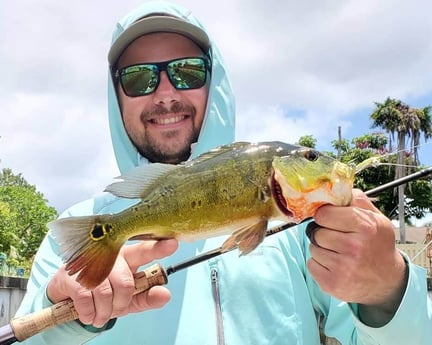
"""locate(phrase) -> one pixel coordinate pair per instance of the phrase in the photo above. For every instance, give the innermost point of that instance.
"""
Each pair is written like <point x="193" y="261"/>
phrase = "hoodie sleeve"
<point x="412" y="322"/>
<point x="46" y="263"/>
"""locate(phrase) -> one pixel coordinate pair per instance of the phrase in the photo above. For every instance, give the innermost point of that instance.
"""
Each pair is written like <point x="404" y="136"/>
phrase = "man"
<point x="274" y="295"/>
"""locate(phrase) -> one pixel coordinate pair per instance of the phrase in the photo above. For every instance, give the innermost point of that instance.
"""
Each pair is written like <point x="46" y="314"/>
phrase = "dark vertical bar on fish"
<point x="157" y="275"/>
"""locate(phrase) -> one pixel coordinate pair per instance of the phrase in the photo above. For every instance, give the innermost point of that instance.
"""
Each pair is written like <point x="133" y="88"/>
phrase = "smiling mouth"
<point x="168" y="120"/>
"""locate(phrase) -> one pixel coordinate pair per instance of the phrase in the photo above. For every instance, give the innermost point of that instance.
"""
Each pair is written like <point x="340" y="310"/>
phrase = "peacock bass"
<point x="234" y="189"/>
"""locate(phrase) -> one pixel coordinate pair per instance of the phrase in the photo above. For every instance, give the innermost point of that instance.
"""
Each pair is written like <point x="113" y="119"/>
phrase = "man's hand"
<point x="354" y="257"/>
<point x="114" y="296"/>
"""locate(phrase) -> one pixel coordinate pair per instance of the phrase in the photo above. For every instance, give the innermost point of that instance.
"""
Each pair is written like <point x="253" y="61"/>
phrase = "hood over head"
<point x="156" y="16"/>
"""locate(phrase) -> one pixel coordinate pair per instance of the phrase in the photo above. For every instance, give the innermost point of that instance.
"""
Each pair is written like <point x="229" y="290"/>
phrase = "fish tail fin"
<point x="87" y="247"/>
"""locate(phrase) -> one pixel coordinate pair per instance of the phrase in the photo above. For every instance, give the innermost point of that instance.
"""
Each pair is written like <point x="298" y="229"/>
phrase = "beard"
<point x="170" y="146"/>
<point x="174" y="151"/>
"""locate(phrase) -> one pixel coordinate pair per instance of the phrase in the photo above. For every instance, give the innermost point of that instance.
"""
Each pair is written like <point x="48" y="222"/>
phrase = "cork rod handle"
<point x="28" y="325"/>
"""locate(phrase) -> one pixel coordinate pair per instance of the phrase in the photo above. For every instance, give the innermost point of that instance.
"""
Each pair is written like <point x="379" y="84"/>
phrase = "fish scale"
<point x="26" y="326"/>
<point x="235" y="189"/>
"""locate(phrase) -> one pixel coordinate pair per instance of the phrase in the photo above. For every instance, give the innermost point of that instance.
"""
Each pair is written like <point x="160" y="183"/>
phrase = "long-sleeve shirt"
<point x="265" y="297"/>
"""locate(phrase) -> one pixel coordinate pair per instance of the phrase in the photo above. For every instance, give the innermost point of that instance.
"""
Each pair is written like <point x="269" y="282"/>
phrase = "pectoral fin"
<point x="246" y="238"/>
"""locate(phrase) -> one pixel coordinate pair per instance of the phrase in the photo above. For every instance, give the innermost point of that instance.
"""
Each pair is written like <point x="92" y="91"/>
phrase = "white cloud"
<point x="61" y="147"/>
<point x="297" y="67"/>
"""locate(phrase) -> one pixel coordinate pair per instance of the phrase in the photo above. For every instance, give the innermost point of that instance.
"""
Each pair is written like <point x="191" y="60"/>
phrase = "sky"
<point x="297" y="68"/>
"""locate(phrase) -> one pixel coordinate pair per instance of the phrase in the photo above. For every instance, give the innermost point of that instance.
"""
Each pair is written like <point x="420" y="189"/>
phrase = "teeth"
<point x="168" y="121"/>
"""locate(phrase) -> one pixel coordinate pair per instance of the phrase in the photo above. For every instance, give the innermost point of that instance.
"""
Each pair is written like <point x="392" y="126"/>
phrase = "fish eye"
<point x="311" y="155"/>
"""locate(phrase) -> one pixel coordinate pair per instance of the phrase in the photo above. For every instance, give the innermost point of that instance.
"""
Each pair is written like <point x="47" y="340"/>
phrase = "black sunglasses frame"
<point x="161" y="66"/>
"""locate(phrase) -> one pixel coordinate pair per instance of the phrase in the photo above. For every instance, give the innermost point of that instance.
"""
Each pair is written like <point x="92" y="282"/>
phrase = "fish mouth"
<point x="277" y="193"/>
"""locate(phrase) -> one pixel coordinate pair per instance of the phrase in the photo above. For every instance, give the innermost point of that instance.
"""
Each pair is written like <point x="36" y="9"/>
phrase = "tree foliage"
<point x="418" y="201"/>
<point x="24" y="214"/>
<point x="307" y="141"/>
<point x="418" y="193"/>
<point x="408" y="123"/>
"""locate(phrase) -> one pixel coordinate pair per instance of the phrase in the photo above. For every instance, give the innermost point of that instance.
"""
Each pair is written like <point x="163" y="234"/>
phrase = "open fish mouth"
<point x="306" y="180"/>
<point x="277" y="193"/>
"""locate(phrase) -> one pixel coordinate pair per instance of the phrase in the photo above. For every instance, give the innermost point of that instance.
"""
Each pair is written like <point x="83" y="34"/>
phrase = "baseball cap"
<point x="157" y="23"/>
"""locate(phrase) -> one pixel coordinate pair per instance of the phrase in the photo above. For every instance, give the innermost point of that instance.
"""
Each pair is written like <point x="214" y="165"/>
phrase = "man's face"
<point x="163" y="124"/>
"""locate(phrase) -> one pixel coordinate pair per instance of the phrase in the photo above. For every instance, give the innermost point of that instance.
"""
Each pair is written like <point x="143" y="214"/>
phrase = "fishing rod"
<point x="26" y="326"/>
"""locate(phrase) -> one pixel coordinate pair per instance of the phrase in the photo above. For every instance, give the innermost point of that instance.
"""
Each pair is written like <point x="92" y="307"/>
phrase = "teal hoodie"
<point x="266" y="297"/>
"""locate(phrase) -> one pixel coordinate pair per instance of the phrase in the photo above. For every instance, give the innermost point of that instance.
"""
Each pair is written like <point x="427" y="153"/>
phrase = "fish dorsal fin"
<point x="218" y="151"/>
<point x="135" y="182"/>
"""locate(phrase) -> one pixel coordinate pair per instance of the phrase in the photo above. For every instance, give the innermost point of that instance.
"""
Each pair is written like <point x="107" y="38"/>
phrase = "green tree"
<point x="364" y="148"/>
<point x="341" y="145"/>
<point x="418" y="196"/>
<point x="376" y="145"/>
<point x="24" y="214"/>
<point x="408" y="123"/>
<point x="307" y="141"/>
<point x="375" y="141"/>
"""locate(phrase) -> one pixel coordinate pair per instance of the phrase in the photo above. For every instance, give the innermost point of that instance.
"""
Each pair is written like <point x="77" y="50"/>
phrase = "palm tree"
<point x="396" y="117"/>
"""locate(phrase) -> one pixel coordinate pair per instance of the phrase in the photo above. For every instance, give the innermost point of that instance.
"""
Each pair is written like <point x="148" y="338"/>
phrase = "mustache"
<point x="176" y="107"/>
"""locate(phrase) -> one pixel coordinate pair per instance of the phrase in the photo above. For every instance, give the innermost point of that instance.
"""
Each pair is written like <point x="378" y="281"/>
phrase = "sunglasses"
<point x="143" y="79"/>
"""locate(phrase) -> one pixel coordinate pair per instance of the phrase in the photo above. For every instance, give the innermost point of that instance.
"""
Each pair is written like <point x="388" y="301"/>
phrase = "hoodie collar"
<point x="219" y="122"/>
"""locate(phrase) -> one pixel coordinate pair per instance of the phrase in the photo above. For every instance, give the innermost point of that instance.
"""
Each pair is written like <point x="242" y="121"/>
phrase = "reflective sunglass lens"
<point x="187" y="73"/>
<point x="143" y="79"/>
<point x="139" y="80"/>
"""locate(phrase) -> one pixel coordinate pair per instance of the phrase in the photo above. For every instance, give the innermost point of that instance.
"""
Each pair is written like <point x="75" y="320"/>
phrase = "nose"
<point x="165" y="92"/>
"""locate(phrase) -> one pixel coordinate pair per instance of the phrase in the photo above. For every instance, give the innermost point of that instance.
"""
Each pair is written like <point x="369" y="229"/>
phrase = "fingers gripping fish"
<point x="235" y="189"/>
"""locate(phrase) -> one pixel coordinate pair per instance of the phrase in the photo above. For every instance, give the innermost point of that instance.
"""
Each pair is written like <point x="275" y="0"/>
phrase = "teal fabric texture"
<point x="266" y="297"/>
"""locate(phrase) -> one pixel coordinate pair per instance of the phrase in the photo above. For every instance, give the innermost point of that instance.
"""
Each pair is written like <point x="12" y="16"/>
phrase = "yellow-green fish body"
<point x="234" y="189"/>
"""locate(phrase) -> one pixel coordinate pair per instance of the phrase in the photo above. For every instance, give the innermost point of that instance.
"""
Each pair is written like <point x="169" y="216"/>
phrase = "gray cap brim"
<point x="153" y="24"/>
